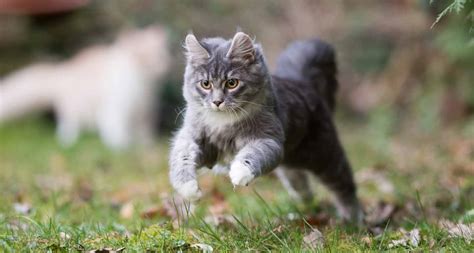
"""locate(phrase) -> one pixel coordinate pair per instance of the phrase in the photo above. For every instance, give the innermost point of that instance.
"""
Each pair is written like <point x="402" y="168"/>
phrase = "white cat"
<point x="108" y="88"/>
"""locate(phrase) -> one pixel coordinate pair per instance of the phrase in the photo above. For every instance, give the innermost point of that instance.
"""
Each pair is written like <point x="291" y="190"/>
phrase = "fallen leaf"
<point x="396" y="243"/>
<point x="458" y="230"/>
<point x="411" y="238"/>
<point x="107" y="250"/>
<point x="220" y="220"/>
<point x="313" y="240"/>
<point x="318" y="220"/>
<point x="367" y="241"/>
<point x="414" y="237"/>
<point x="279" y="229"/>
<point x="150" y="212"/>
<point x="85" y="190"/>
<point x="432" y="243"/>
<point x="202" y="247"/>
<point x="127" y="210"/>
<point x="219" y="204"/>
<point x="175" y="207"/>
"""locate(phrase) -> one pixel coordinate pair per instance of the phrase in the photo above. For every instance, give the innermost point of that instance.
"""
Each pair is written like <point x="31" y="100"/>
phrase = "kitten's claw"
<point x="240" y="174"/>
<point x="190" y="190"/>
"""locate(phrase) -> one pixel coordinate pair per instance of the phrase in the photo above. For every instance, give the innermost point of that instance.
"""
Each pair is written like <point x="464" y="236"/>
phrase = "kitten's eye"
<point x="205" y="84"/>
<point x="232" y="83"/>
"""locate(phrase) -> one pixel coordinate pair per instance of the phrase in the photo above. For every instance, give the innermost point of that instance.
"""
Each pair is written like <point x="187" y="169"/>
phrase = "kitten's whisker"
<point x="179" y="114"/>
<point x="233" y="113"/>
<point x="248" y="118"/>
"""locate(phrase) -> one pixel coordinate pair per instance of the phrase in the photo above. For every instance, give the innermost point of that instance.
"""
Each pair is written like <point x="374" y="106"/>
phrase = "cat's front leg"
<point x="257" y="157"/>
<point x="185" y="156"/>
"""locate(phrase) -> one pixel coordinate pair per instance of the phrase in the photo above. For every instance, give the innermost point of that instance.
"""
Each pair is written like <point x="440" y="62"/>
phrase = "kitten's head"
<point x="225" y="77"/>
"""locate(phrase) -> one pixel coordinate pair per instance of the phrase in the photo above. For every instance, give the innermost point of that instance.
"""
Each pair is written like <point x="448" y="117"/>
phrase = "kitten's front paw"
<point x="190" y="190"/>
<point x="240" y="174"/>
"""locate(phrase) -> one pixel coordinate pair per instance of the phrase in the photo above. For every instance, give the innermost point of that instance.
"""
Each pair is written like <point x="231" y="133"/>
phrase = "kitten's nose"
<point x="217" y="102"/>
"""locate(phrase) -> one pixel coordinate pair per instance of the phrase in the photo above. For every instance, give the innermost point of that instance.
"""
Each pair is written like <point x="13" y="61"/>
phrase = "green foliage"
<point x="457" y="6"/>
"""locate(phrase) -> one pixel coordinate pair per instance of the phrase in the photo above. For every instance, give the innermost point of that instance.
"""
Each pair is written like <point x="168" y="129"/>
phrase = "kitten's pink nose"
<point x="217" y="102"/>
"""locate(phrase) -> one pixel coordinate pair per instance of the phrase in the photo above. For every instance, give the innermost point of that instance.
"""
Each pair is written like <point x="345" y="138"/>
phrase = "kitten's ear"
<point x="195" y="52"/>
<point x="241" y="48"/>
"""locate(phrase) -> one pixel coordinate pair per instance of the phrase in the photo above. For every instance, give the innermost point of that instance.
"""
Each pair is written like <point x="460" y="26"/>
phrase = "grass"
<point x="88" y="198"/>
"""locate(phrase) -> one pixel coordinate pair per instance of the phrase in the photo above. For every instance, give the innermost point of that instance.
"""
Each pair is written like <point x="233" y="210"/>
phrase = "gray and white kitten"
<point x="239" y="116"/>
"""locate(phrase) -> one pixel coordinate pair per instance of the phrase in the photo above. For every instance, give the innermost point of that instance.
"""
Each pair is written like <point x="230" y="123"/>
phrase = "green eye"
<point x="205" y="84"/>
<point x="232" y="83"/>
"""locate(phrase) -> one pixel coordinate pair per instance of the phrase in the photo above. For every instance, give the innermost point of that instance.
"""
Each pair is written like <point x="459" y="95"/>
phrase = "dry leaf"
<point x="126" y="211"/>
<point x="414" y="237"/>
<point x="367" y="241"/>
<point x="175" y="207"/>
<point x="432" y="243"/>
<point x="150" y="212"/>
<point x="313" y="240"/>
<point x="279" y="229"/>
<point x="396" y="243"/>
<point x="219" y="204"/>
<point x="459" y="230"/>
<point x="85" y="190"/>
<point x="320" y="219"/>
<point x="220" y="220"/>
<point x="107" y="250"/>
<point x="411" y="238"/>
<point x="202" y="247"/>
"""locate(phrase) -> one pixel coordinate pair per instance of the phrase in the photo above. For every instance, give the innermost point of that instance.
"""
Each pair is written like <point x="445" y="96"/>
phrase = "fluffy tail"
<point x="22" y="92"/>
<point x="312" y="61"/>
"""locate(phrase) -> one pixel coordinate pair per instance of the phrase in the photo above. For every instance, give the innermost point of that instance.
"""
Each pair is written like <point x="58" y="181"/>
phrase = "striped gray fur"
<point x="268" y="121"/>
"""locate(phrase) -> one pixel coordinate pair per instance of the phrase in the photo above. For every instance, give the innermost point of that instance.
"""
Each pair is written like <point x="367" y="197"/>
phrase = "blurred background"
<point x="390" y="61"/>
<point x="405" y="105"/>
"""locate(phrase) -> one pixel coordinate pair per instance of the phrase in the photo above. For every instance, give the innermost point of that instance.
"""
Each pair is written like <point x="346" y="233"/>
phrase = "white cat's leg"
<point x="114" y="129"/>
<point x="67" y="129"/>
<point x="296" y="182"/>
<point x="143" y="131"/>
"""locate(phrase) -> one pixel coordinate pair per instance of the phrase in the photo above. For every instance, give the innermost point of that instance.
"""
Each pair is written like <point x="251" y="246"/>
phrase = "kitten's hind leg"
<point x="296" y="182"/>
<point x="340" y="181"/>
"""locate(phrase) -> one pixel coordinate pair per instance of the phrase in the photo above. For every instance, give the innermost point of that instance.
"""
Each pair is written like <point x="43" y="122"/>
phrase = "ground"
<point x="415" y="188"/>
